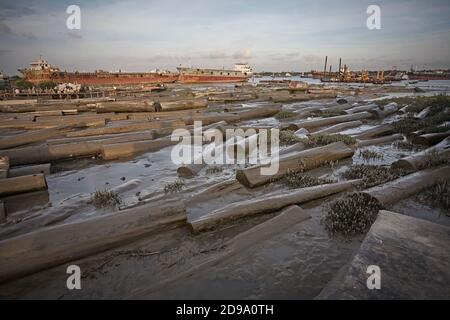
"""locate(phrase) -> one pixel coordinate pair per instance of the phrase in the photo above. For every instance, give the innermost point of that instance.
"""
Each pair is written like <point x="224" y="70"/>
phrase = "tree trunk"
<point x="10" y="186"/>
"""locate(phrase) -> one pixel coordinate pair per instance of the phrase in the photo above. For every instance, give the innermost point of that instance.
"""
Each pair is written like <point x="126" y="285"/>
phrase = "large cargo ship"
<point x="429" y="75"/>
<point x="241" y="73"/>
<point x="41" y="71"/>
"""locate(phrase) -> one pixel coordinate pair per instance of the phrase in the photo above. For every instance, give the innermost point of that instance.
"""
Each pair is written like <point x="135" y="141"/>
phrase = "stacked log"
<point x="311" y="124"/>
<point x="22" y="184"/>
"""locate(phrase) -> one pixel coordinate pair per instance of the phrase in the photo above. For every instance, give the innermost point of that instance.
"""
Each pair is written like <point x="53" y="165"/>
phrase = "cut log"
<point x="382" y="140"/>
<point x="311" y="124"/>
<point x="42" y="249"/>
<point x="375" y="132"/>
<point x="268" y="203"/>
<point x="387" y="110"/>
<point x="132" y="127"/>
<point x="31" y="137"/>
<point x="394" y="191"/>
<point x="424" y="113"/>
<point x="430" y="139"/>
<point x="10" y="186"/>
<point x="421" y="159"/>
<point x="29" y="170"/>
<point x="108" y="138"/>
<point x="130" y="149"/>
<point x="262" y="111"/>
<point x="303" y="160"/>
<point x="123" y="107"/>
<point x="366" y="107"/>
<point x="338" y="127"/>
<point x="183" y="105"/>
<point x="212" y="118"/>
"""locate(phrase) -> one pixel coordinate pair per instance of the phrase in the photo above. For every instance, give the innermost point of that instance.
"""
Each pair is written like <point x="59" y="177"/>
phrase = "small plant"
<point x="288" y="137"/>
<point x="352" y="215"/>
<point x="173" y="187"/>
<point x="284" y="114"/>
<point x="434" y="158"/>
<point x="105" y="198"/>
<point x="372" y="175"/>
<point x="324" y="139"/>
<point x="368" y="155"/>
<point x="299" y="180"/>
<point x="214" y="169"/>
<point x="438" y="195"/>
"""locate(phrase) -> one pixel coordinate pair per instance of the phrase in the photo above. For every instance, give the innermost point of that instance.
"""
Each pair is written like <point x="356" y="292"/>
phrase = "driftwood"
<point x="262" y="111"/>
<point x="268" y="203"/>
<point x="394" y="191"/>
<point x="311" y="124"/>
<point x="45" y="248"/>
<point x="421" y="159"/>
<point x="303" y="160"/>
<point x="338" y="127"/>
<point x="375" y="132"/>
<point x="430" y="139"/>
<point x="382" y="140"/>
<point x="10" y="186"/>
<point x="29" y="170"/>
<point x="423" y="114"/>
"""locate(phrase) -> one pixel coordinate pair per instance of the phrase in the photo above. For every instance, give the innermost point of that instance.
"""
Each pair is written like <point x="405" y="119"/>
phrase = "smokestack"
<point x="340" y="65"/>
<point x="325" y="67"/>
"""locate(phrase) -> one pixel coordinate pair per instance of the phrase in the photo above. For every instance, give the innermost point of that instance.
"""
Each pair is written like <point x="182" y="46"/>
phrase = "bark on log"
<point x="430" y="139"/>
<point x="303" y="160"/>
<point x="29" y="125"/>
<point x="123" y="107"/>
<point x="108" y="138"/>
<point x="262" y="111"/>
<point x="268" y="203"/>
<point x="424" y="113"/>
<point x="311" y="124"/>
<point x="420" y="159"/>
<point x="211" y="118"/>
<point x="29" y="170"/>
<point x="4" y="167"/>
<point x="10" y="186"/>
<point x="382" y="140"/>
<point x="31" y="137"/>
<point x="387" y="110"/>
<point x="338" y="127"/>
<point x="39" y="250"/>
<point x="394" y="191"/>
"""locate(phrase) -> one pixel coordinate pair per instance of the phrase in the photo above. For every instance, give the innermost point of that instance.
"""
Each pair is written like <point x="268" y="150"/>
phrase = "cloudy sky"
<point x="141" y="35"/>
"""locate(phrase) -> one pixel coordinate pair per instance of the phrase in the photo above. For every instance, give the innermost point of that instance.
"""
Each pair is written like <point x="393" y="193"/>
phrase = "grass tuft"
<point x="173" y="187"/>
<point x="105" y="198"/>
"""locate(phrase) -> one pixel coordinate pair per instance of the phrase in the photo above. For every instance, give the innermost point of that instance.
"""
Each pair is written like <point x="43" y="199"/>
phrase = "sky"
<point x="283" y="35"/>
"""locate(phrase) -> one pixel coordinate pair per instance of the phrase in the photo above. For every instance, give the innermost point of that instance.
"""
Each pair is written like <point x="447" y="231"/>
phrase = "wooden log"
<point x="303" y="160"/>
<point x="375" y="132"/>
<point x="263" y="111"/>
<point x="338" y="127"/>
<point x="394" y="191"/>
<point x="183" y="105"/>
<point x="268" y="203"/>
<point x="49" y="247"/>
<point x="212" y="118"/>
<point x="2" y="212"/>
<point x="29" y="170"/>
<point x="387" y="110"/>
<point x="29" y="125"/>
<point x="124" y="107"/>
<point x="82" y="118"/>
<point x="424" y="113"/>
<point x="420" y="159"/>
<point x="362" y="108"/>
<point x="31" y="137"/>
<point x="311" y="124"/>
<point x="130" y="149"/>
<point x="10" y="186"/>
<point x="382" y="140"/>
<point x="337" y="108"/>
<point x="430" y="139"/>
<point x="132" y="127"/>
<point x="49" y="153"/>
<point x="4" y="167"/>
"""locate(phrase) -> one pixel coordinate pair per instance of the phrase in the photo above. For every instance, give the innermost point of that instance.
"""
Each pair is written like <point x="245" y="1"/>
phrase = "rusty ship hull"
<point x="192" y="75"/>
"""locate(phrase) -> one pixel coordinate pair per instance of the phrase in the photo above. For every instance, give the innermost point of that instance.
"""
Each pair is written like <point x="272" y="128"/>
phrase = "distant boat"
<point x="241" y="73"/>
